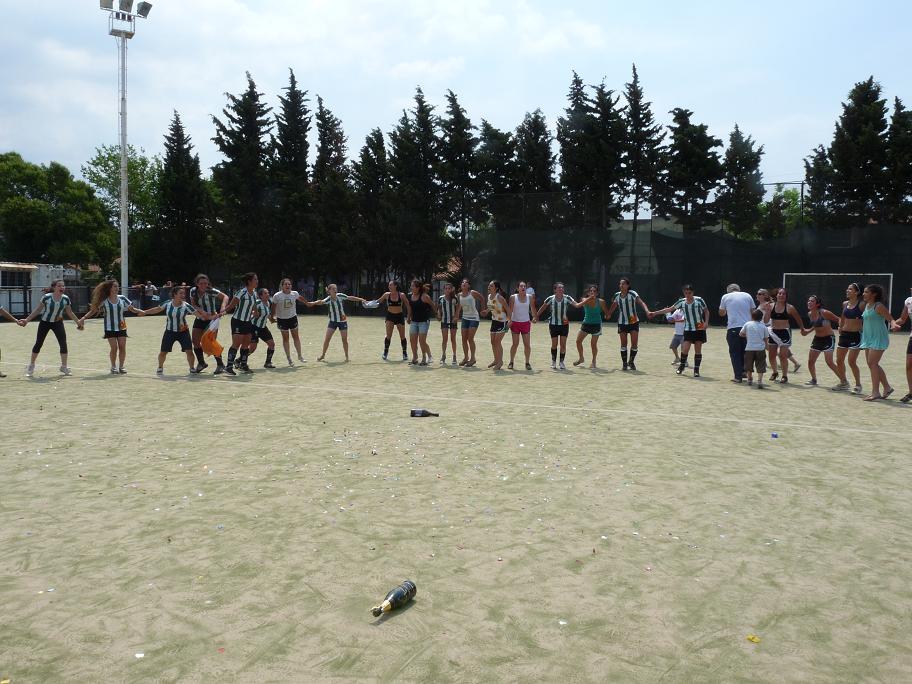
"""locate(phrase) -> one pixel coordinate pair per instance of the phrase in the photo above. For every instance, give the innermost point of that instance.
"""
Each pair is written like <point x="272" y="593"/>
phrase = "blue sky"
<point x="778" y="69"/>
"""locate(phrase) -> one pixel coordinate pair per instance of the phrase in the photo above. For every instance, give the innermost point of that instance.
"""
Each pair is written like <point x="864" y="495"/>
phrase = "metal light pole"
<point x="122" y="25"/>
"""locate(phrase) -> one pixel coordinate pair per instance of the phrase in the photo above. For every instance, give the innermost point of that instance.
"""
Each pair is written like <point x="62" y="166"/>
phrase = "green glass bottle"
<point x="396" y="598"/>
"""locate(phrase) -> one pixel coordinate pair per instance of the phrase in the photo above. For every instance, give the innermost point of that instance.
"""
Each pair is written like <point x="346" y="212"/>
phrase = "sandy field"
<point x="576" y="526"/>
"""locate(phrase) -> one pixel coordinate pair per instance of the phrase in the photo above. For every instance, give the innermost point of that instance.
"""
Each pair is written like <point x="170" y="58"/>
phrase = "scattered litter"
<point x="775" y="435"/>
<point x="499" y="559"/>
<point x="648" y="568"/>
<point x="753" y="638"/>
<point x="604" y="537"/>
<point x="139" y="656"/>
<point x="395" y="598"/>
<point x="562" y="622"/>
<point x="50" y="590"/>
<point x="221" y="650"/>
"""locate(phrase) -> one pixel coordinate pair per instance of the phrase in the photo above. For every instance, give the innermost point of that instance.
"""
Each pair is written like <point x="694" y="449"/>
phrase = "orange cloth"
<point x="209" y="341"/>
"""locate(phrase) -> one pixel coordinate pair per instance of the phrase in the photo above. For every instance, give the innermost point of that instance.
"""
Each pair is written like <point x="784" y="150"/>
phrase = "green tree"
<point x="607" y="155"/>
<point x="780" y="215"/>
<point x="102" y="172"/>
<point x="496" y="159"/>
<point x="289" y="173"/>
<point x="458" y="173"/>
<point x="575" y="138"/>
<point x="858" y="155"/>
<point x="818" y="174"/>
<point x="371" y="186"/>
<point x="692" y="173"/>
<point x="742" y="184"/>
<point x="48" y="216"/>
<point x="898" y="198"/>
<point x="180" y="239"/>
<point x="242" y="180"/>
<point x="535" y="162"/>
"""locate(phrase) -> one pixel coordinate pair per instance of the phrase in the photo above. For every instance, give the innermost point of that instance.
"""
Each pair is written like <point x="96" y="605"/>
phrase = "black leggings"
<point x="44" y="327"/>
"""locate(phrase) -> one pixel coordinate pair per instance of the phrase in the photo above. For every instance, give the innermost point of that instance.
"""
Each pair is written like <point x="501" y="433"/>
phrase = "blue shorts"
<point x="419" y="327"/>
<point x="468" y="324"/>
<point x="338" y="325"/>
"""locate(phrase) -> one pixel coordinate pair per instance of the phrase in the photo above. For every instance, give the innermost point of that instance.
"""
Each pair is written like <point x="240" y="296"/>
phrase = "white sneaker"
<point x="562" y="366"/>
<point x="29" y="371"/>
<point x="290" y="362"/>
<point x="857" y="389"/>
<point x="65" y="371"/>
<point x="443" y="361"/>
<point x="159" y="371"/>
<point x="114" y="370"/>
<point x="554" y="365"/>
<point x="453" y="362"/>
<point x="301" y="359"/>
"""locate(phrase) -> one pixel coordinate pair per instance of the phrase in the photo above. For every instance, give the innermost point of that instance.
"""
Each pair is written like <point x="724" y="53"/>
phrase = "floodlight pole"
<point x="122" y="25"/>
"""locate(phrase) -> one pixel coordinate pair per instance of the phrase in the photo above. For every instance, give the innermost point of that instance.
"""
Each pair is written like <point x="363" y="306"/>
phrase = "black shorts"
<point x="200" y="324"/>
<point x="287" y="323"/>
<point x="116" y="333"/>
<point x="170" y="337"/>
<point x="628" y="327"/>
<point x="261" y="334"/>
<point x="824" y="344"/>
<point x="559" y="330"/>
<point x="695" y="336"/>
<point x="909" y="347"/>
<point x="784" y="335"/>
<point x="849" y="340"/>
<point x="594" y="329"/>
<point x="498" y="327"/>
<point x="239" y="327"/>
<point x="449" y="326"/>
<point x="397" y="318"/>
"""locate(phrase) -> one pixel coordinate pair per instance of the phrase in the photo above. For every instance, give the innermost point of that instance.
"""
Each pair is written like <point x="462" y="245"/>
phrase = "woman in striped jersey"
<point x="242" y="309"/>
<point x="497" y="307"/>
<point x="558" y="323"/>
<point x="263" y="315"/>
<point x="12" y="319"/>
<point x="696" y="321"/>
<point x="420" y="308"/>
<point x="521" y="310"/>
<point x="822" y="321"/>
<point x="335" y="300"/>
<point x="447" y="307"/>
<point x="209" y="304"/>
<point x="176" y="328"/>
<point x="594" y="308"/>
<point x="470" y="303"/>
<point x="106" y="298"/>
<point x="625" y="301"/>
<point x="54" y="305"/>
<point x="395" y="317"/>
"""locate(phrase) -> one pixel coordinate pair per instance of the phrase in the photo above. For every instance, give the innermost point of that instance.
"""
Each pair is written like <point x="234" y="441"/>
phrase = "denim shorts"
<point x="338" y="325"/>
<point x="419" y="327"/>
<point x="468" y="323"/>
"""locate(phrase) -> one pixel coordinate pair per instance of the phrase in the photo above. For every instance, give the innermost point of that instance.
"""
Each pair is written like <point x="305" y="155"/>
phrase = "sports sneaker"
<point x="811" y="383"/>
<point x="423" y="363"/>
<point x="841" y="386"/>
<point x="29" y="371"/>
<point x="114" y="370"/>
<point x="405" y="356"/>
<point x="122" y="370"/>
<point x="679" y="370"/>
<point x="65" y="371"/>
<point x="625" y="367"/>
<point x="382" y="356"/>
<point x="676" y="362"/>
<point x="268" y="364"/>
<point x="562" y="366"/>
<point x="554" y="365"/>
<point x="443" y="361"/>
<point x="632" y="366"/>
<point x="200" y="367"/>
<point x="159" y="371"/>
<point x="453" y="362"/>
<point x="229" y="370"/>
<point x="510" y="365"/>
<point x="193" y="371"/>
<point x="528" y="366"/>
<point x="244" y="367"/>
<point x="774" y="376"/>
<point x="857" y="390"/>
<point x="219" y="370"/>
<point x="430" y="359"/>
<point x="301" y="359"/>
<point x="696" y="372"/>
<point x="290" y="362"/>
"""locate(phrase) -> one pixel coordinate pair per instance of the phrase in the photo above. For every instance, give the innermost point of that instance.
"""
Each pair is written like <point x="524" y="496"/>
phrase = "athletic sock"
<point x="232" y="353"/>
<point x="219" y="362"/>
<point x="633" y="354"/>
<point x="554" y="355"/>
<point x="386" y="345"/>
<point x="698" y="358"/>
<point x="244" y="354"/>
<point x="269" y="353"/>
<point x="199" y="355"/>
<point x="562" y="357"/>
<point x="683" y="364"/>
<point x="624" y="355"/>
<point x="404" y="346"/>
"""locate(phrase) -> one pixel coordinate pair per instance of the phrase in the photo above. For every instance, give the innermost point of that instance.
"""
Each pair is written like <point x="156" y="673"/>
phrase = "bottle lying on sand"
<point x="398" y="597"/>
<point x="423" y="413"/>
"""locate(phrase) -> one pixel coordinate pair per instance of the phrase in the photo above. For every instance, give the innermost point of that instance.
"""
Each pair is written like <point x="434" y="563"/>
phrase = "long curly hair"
<point x="101" y="292"/>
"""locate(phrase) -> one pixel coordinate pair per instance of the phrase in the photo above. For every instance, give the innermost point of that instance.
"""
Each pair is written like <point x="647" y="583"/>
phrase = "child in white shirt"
<point x="676" y="317"/>
<point x="756" y="334"/>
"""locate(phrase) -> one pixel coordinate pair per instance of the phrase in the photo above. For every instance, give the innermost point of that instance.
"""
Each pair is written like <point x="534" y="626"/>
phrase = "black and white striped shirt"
<point x="336" y="310"/>
<point x="626" y="305"/>
<point x="559" y="308"/>
<point x="176" y="316"/>
<point x="246" y="302"/>
<point x="447" y="309"/>
<point x="53" y="308"/>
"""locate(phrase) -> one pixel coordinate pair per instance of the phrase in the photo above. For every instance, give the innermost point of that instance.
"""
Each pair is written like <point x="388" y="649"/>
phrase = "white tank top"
<point x="496" y="309"/>
<point x="521" y="309"/>
<point x="469" y="310"/>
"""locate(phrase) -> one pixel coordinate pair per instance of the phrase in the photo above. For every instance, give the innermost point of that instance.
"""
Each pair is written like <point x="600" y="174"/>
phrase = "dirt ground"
<point x="578" y="526"/>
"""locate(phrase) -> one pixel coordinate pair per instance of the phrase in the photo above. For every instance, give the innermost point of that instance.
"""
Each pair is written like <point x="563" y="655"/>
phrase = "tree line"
<point x="410" y="200"/>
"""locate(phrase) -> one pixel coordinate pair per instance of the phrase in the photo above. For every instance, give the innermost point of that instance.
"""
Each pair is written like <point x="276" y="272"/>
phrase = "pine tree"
<point x="458" y="173"/>
<point x="242" y="179"/>
<point x="497" y="171"/>
<point x="742" y="185"/>
<point x="184" y="210"/>
<point x="693" y="172"/>
<point x="607" y="155"/>
<point x="371" y="185"/>
<point x="898" y="199"/>
<point x="290" y="179"/>
<point x="858" y="155"/>
<point x="818" y="174"/>
<point x="575" y="139"/>
<point x="535" y="171"/>
<point x="642" y="154"/>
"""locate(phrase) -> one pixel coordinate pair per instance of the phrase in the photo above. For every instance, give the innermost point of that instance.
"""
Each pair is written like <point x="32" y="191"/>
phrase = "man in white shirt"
<point x="737" y="306"/>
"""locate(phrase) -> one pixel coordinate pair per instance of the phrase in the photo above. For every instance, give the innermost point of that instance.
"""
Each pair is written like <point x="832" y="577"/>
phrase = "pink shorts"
<point x="521" y="328"/>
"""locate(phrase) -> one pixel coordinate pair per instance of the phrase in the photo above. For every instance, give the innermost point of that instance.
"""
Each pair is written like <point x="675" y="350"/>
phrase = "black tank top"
<point x="390" y="302"/>
<point x="776" y="316"/>
<point x="421" y="310"/>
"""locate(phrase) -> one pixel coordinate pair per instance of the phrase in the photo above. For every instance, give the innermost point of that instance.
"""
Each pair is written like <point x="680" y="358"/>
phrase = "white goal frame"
<point x="865" y="279"/>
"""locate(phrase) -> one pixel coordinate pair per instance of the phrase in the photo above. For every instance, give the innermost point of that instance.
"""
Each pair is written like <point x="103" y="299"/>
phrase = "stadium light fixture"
<point x="122" y="25"/>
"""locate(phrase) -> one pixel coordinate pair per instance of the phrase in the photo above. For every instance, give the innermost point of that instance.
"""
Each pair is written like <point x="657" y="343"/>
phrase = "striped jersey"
<point x="53" y="309"/>
<point x="209" y="301"/>
<point x="246" y="303"/>
<point x="336" y="310"/>
<point x="176" y="316"/>
<point x="114" y="313"/>
<point x="559" y="308"/>
<point x="626" y="306"/>
<point x="693" y="312"/>
<point x="260" y="314"/>
<point x="447" y="309"/>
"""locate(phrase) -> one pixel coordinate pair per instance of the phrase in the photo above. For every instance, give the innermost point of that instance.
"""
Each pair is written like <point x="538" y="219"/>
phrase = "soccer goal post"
<point x="831" y="287"/>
